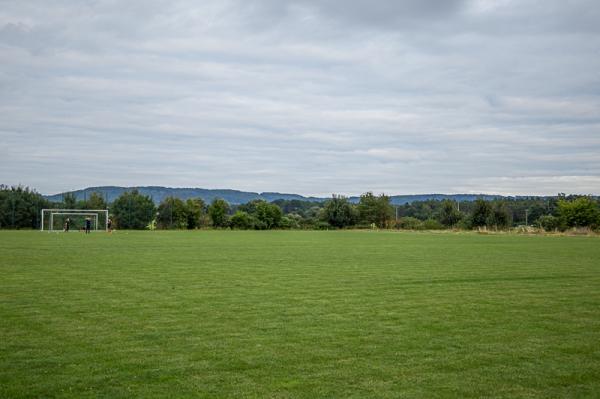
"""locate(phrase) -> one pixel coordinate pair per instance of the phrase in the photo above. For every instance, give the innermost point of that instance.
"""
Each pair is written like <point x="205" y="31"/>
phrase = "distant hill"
<point x="110" y="193"/>
<point x="404" y="199"/>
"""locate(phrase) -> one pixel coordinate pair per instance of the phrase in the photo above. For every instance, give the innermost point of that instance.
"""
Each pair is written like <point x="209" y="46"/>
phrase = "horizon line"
<point x="322" y="195"/>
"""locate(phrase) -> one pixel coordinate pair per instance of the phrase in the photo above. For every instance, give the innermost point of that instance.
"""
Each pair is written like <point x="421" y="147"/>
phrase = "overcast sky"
<point x="309" y="96"/>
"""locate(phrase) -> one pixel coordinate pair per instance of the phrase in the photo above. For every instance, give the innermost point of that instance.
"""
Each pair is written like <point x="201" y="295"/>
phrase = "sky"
<point x="309" y="96"/>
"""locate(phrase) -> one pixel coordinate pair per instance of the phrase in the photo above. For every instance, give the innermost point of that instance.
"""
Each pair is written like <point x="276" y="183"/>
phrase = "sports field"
<point x="289" y="314"/>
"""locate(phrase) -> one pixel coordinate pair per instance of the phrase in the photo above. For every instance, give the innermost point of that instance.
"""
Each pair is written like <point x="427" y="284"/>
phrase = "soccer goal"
<point x="55" y="219"/>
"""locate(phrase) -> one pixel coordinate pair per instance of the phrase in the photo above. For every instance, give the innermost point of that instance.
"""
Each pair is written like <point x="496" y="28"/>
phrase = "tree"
<point x="250" y="207"/>
<point x="580" y="212"/>
<point x="96" y="201"/>
<point x="481" y="212"/>
<point x="195" y="212"/>
<point x="217" y="211"/>
<point x="20" y="207"/>
<point x="449" y="216"/>
<point x="242" y="220"/>
<point x="268" y="216"/>
<point x="172" y="214"/>
<point x="500" y="217"/>
<point x="69" y="201"/>
<point x="132" y="210"/>
<point x="374" y="209"/>
<point x="338" y="212"/>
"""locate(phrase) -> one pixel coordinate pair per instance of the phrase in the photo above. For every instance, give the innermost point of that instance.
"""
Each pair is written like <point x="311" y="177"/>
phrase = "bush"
<point x="409" y="223"/>
<point x="432" y="224"/>
<point x="288" y="223"/>
<point x="465" y="224"/>
<point x="550" y="223"/>
<point x="581" y="212"/>
<point x="241" y="220"/>
<point x="319" y="225"/>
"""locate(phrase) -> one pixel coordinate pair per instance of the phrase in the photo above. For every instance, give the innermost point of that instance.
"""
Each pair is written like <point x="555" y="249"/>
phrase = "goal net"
<point x="57" y="219"/>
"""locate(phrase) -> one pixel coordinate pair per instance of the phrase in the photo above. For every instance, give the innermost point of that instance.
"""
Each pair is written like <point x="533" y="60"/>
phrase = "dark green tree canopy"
<point x="95" y="201"/>
<point x="449" y="215"/>
<point x="242" y="220"/>
<point x="218" y="211"/>
<point x="580" y="212"/>
<point x="172" y="214"/>
<point x="20" y="207"/>
<point x="131" y="210"/>
<point x="482" y="210"/>
<point x="196" y="213"/>
<point x="69" y="201"/>
<point x="500" y="217"/>
<point x="338" y="212"/>
<point x="374" y="209"/>
<point x="268" y="216"/>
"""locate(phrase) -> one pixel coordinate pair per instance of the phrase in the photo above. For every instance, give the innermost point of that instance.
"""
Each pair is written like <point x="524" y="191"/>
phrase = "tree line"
<point x="20" y="208"/>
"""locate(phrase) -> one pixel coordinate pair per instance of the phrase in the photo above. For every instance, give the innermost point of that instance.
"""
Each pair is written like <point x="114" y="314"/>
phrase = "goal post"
<point x="51" y="216"/>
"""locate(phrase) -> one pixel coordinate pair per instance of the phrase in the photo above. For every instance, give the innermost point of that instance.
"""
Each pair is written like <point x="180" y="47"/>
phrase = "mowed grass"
<point x="292" y="314"/>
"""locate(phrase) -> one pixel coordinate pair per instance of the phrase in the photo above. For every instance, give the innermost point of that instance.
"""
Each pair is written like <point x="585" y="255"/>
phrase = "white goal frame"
<point x="74" y="212"/>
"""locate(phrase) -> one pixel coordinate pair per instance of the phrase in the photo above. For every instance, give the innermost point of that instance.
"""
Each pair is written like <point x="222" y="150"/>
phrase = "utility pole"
<point x="396" y="213"/>
<point x="526" y="212"/>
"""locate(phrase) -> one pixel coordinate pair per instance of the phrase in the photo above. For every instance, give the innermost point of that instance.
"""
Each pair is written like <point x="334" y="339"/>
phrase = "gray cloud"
<point x="350" y="15"/>
<point x="311" y="96"/>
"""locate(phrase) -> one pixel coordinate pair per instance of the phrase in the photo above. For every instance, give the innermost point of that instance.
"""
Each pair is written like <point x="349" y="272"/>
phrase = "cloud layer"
<point x="313" y="97"/>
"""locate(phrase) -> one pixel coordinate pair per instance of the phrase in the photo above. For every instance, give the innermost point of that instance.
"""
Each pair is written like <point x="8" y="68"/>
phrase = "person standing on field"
<point x="109" y="225"/>
<point x="67" y="225"/>
<point x="88" y="225"/>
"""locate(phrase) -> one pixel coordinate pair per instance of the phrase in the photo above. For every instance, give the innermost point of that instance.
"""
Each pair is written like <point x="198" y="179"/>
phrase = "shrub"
<point x="432" y="224"/>
<point x="550" y="223"/>
<point x="465" y="224"/>
<point x="580" y="212"/>
<point x="320" y="225"/>
<point x="288" y="222"/>
<point x="409" y="223"/>
<point x="241" y="220"/>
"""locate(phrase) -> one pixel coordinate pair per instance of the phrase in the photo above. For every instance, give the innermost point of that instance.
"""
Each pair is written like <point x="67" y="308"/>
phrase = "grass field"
<point x="298" y="314"/>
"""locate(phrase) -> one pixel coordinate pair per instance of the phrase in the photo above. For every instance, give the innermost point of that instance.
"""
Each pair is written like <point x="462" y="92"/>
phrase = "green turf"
<point x="298" y="314"/>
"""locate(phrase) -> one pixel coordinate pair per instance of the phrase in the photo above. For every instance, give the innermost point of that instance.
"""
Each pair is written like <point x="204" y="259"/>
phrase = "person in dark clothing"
<point x="67" y="225"/>
<point x="109" y="225"/>
<point x="88" y="225"/>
